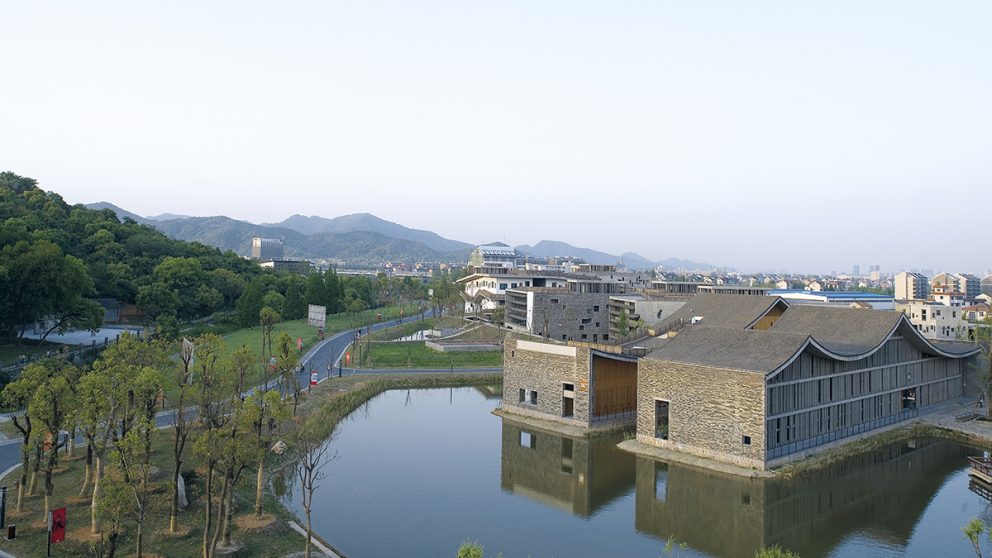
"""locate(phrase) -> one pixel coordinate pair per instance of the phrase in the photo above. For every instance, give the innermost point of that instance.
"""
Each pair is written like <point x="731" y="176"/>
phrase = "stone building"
<point x="559" y="313"/>
<point x="757" y="382"/>
<point x="574" y="384"/>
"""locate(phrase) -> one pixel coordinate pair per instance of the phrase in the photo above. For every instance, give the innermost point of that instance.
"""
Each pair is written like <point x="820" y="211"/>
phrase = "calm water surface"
<point x="420" y="471"/>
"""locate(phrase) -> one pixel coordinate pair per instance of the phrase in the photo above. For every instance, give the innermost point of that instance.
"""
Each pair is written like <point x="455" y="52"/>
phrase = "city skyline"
<point x="765" y="136"/>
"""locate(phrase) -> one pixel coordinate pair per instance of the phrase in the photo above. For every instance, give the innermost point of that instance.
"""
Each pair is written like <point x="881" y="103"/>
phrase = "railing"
<point x="842" y="433"/>
<point x="981" y="465"/>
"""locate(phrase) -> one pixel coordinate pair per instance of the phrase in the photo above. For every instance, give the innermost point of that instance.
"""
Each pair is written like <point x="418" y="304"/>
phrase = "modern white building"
<point x="937" y="321"/>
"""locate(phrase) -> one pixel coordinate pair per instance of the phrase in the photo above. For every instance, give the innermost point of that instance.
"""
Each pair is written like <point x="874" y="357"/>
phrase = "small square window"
<point x="533" y="398"/>
<point x="595" y="308"/>
<point x="746" y="440"/>
<point x="569" y="387"/>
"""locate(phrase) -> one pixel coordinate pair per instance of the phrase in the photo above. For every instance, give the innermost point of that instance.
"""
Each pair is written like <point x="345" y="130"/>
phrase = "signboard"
<point x="347" y="358"/>
<point x="584" y="384"/>
<point x="317" y="315"/>
<point x="272" y="362"/>
<point x="56" y="525"/>
<point x="313" y="377"/>
<point x="299" y="343"/>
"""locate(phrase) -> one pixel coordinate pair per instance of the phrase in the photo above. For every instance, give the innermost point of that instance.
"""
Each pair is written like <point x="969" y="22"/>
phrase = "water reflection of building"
<point x="578" y="475"/>
<point x="885" y="491"/>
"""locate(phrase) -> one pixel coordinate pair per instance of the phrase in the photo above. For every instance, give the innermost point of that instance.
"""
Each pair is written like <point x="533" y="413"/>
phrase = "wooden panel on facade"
<point x="615" y="386"/>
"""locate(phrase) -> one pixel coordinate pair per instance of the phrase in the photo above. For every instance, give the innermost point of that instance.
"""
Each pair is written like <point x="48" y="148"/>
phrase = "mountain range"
<point x="361" y="238"/>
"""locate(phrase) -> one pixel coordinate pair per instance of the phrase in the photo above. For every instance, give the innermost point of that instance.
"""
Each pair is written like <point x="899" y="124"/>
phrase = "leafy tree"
<point x="250" y="304"/>
<point x="274" y="301"/>
<point x="133" y="453"/>
<point x="294" y="306"/>
<point x="98" y="406"/>
<point x="17" y="395"/>
<point x="40" y="283"/>
<point x="264" y="411"/>
<point x="268" y="317"/>
<point x="50" y="407"/>
<point x="157" y="299"/>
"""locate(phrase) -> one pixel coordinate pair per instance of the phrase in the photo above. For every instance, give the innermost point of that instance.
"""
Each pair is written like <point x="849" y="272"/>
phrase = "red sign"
<point x="313" y="377"/>
<point x="56" y="525"/>
<point x="299" y="343"/>
<point x="347" y="357"/>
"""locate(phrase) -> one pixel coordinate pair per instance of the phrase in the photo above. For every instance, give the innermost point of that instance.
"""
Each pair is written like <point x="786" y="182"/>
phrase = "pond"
<point x="417" y="472"/>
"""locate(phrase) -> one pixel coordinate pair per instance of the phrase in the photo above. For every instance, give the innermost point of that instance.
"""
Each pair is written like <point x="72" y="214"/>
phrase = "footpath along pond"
<point x="420" y="471"/>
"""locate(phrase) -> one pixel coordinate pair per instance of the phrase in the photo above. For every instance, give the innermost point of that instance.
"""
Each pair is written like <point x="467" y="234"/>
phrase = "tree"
<point x="310" y="453"/>
<point x="286" y="364"/>
<point x="157" y="299"/>
<point x="973" y="531"/>
<point x="133" y="453"/>
<point x="268" y="318"/>
<point x="17" y="395"/>
<point x="264" y="411"/>
<point x="49" y="408"/>
<point x="250" y="304"/>
<point x="182" y="379"/>
<point x="294" y="305"/>
<point x="112" y="507"/>
<point x="39" y="283"/>
<point x="98" y="405"/>
<point x="211" y="396"/>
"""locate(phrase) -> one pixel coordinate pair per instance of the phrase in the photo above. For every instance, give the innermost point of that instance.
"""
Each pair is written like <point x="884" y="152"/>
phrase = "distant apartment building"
<point x="969" y="285"/>
<point x="484" y="292"/>
<point x="267" y="249"/>
<point x="937" y="321"/>
<point x="947" y="289"/>
<point x="911" y="286"/>
<point x="986" y="285"/>
<point x="487" y="257"/>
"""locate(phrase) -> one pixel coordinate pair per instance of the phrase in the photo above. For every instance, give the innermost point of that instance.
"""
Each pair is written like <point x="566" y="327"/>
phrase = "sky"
<point x="800" y="136"/>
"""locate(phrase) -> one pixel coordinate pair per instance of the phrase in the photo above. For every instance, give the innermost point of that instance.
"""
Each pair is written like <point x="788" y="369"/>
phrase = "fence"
<point x="12" y="371"/>
<point x="817" y="441"/>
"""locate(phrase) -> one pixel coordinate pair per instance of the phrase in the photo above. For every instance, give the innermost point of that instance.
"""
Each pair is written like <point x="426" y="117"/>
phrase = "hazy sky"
<point x="759" y="135"/>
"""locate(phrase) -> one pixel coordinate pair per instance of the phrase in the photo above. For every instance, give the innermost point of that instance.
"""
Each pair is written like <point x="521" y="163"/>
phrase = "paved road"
<point x="330" y="351"/>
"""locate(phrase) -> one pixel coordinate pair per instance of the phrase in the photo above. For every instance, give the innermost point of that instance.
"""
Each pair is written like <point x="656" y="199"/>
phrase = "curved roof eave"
<point x="775" y="302"/>
<point x="914" y="337"/>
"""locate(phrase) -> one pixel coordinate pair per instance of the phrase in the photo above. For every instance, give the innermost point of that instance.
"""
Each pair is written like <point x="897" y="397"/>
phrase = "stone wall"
<point x="563" y="314"/>
<point x="544" y="368"/>
<point x="711" y="410"/>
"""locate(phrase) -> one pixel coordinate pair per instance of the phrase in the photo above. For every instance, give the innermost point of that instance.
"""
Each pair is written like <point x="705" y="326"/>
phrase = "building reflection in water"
<point x="578" y="475"/>
<point x="883" y="492"/>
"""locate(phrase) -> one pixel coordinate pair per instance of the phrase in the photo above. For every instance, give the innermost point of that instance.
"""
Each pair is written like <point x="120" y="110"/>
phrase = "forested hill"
<point x="56" y="258"/>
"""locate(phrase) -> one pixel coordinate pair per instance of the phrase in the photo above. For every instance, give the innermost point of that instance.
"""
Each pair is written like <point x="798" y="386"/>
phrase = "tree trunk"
<point x="220" y="517"/>
<point x="138" y="536"/>
<point x="97" y="474"/>
<point x="34" y="471"/>
<point x="25" y="463"/>
<point x="306" y="551"/>
<point x="259" y="485"/>
<point x="71" y="442"/>
<point x="89" y="470"/>
<point x="228" y="510"/>
<point x="112" y="545"/>
<point x="174" y="513"/>
<point x="208" y="510"/>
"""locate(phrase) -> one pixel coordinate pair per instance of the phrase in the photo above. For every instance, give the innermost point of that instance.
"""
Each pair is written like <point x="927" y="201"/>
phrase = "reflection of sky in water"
<point x="418" y="472"/>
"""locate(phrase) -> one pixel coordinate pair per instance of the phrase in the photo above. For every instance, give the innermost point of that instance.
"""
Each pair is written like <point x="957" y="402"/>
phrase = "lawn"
<point x="10" y="351"/>
<point x="413" y="354"/>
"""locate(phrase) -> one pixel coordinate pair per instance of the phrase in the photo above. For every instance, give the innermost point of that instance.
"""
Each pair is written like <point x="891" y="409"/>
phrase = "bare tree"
<point x="311" y="448"/>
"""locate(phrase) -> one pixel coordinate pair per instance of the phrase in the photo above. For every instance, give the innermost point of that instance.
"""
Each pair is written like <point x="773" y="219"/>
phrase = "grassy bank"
<point x="10" y="351"/>
<point x="398" y="332"/>
<point x="334" y="400"/>
<point x="414" y="354"/>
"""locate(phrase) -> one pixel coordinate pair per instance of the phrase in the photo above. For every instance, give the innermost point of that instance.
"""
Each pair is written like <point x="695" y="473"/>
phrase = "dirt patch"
<point x="83" y="534"/>
<point x="74" y="500"/>
<point x="181" y="532"/>
<point x="267" y="524"/>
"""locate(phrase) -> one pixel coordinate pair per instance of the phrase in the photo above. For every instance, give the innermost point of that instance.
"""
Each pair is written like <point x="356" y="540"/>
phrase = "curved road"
<point x="325" y="354"/>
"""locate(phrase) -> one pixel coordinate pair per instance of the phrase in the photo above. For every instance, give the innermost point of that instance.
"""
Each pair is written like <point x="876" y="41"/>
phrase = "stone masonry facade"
<point x="542" y="369"/>
<point x="713" y="413"/>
